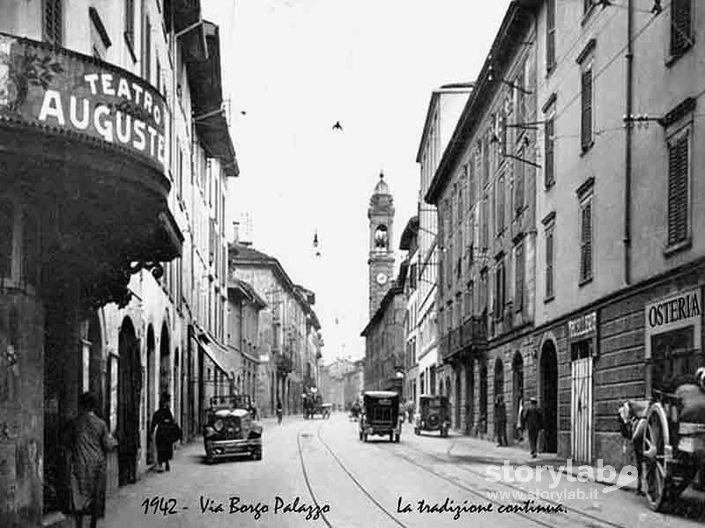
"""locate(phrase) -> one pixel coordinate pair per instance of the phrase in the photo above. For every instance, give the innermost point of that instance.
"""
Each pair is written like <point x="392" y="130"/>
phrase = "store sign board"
<point x="77" y="94"/>
<point x="583" y="326"/>
<point x="671" y="313"/>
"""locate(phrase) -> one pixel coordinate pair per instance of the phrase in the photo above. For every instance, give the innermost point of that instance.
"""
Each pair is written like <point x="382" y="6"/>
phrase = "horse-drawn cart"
<point x="313" y="405"/>
<point x="674" y="440"/>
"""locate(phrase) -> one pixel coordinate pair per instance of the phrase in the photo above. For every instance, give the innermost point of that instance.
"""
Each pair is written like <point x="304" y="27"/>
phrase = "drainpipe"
<point x="628" y="145"/>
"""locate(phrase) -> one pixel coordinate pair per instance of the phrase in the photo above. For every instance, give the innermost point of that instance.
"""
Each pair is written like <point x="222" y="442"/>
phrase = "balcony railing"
<point x="470" y="336"/>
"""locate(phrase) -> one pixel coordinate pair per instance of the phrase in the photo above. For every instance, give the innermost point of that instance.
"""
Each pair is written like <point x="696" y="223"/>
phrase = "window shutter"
<point x="586" y="242"/>
<point x="548" y="147"/>
<point x="586" y="110"/>
<point x="519" y="184"/>
<point x="519" y="278"/>
<point x="550" y="35"/>
<point x="680" y="26"/>
<point x="53" y="22"/>
<point x="678" y="190"/>
<point x="549" y="264"/>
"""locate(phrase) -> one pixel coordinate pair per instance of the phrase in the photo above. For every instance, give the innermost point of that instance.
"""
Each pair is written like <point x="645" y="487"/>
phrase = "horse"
<point x="632" y="424"/>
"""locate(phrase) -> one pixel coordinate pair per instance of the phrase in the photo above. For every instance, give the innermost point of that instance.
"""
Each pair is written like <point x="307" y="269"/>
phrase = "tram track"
<point x="590" y="517"/>
<point x="349" y="474"/>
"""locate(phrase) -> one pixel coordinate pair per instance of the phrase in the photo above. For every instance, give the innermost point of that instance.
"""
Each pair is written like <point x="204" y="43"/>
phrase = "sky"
<point x="292" y="69"/>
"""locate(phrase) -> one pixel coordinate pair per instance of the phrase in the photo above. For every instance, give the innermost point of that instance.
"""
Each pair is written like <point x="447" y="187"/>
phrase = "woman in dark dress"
<point x="87" y="441"/>
<point x="167" y="432"/>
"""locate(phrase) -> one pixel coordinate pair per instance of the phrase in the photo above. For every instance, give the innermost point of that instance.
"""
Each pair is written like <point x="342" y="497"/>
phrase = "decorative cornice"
<point x="681" y="110"/>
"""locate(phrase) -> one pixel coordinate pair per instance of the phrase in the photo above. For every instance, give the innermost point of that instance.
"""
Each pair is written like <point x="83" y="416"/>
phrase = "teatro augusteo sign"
<point x="78" y="94"/>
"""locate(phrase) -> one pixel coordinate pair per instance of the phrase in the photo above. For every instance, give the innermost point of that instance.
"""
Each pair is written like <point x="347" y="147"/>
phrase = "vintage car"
<point x="230" y="429"/>
<point x="313" y="405"/>
<point x="433" y="415"/>
<point x="380" y="415"/>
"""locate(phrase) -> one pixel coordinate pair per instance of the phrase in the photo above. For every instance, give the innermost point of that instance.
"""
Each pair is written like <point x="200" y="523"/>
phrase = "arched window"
<point x="381" y="237"/>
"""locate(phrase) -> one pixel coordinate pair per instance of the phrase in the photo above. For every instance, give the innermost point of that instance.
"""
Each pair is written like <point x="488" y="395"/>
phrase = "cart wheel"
<point x="656" y="438"/>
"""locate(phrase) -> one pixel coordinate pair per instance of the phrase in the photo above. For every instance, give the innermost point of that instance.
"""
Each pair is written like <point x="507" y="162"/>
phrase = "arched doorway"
<point x="128" y="398"/>
<point x="517" y="387"/>
<point x="498" y="378"/>
<point x="483" y="396"/>
<point x="151" y="387"/>
<point x="96" y="363"/>
<point x="458" y="398"/>
<point x="549" y="395"/>
<point x="469" y="396"/>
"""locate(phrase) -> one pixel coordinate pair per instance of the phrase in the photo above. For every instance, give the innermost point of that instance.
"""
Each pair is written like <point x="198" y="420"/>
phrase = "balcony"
<point x="469" y="337"/>
<point x="87" y="144"/>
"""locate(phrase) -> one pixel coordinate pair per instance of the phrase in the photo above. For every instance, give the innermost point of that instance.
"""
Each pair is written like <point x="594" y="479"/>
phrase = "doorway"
<point x="469" y="396"/>
<point x="129" y="392"/>
<point x="549" y="395"/>
<point x="151" y="387"/>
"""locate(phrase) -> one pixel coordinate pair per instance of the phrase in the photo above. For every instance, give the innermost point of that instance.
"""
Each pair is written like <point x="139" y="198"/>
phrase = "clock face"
<point x="381" y="278"/>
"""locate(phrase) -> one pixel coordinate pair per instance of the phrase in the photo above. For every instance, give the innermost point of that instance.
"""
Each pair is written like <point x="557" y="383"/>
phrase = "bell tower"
<point x="381" y="256"/>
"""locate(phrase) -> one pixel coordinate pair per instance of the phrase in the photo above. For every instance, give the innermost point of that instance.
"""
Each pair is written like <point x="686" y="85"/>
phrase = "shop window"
<point x="673" y="355"/>
<point x="6" y="238"/>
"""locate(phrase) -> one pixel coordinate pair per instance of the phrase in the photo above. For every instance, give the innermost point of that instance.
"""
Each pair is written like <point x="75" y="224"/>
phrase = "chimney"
<point x="236" y="232"/>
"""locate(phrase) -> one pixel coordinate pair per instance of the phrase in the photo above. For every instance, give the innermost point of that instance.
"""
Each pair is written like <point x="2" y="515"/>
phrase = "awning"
<point x="213" y="350"/>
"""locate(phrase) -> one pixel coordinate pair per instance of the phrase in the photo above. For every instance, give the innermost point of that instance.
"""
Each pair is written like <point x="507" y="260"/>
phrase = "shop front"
<point x="83" y="206"/>
<point x="673" y="338"/>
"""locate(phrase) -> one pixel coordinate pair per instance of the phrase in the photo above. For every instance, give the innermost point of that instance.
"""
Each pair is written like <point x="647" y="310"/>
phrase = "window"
<point x="486" y="157"/>
<point x="485" y="223"/>
<point x="520" y="116"/>
<point x="678" y="188"/>
<point x="586" y="240"/>
<point x="519" y="169"/>
<point x="468" y="299"/>
<point x="519" y="277"/>
<point x="6" y="238"/>
<point x="484" y="291"/>
<point x="499" y="204"/>
<point x="550" y="35"/>
<point x="681" y="26"/>
<point x="549" y="262"/>
<point x="472" y="190"/>
<point x="499" y="294"/>
<point x="586" y="105"/>
<point x="53" y="22"/>
<point x="548" y="147"/>
<point x="147" y="51"/>
<point x="130" y="23"/>
<point x="460" y="195"/>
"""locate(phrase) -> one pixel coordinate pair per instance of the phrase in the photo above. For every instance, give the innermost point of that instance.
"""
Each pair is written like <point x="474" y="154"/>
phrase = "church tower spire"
<point x="381" y="255"/>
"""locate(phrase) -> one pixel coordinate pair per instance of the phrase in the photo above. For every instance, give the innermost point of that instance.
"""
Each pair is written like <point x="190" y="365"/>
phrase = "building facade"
<point x="620" y="212"/>
<point x="444" y="108"/>
<point x="484" y="191"/>
<point x="289" y="339"/>
<point x="97" y="220"/>
<point x="409" y="274"/>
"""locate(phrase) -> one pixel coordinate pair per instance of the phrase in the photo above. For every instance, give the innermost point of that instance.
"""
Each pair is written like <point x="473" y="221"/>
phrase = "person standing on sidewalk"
<point x="533" y="422"/>
<point x="87" y="442"/>
<point x="167" y="432"/>
<point x="280" y="411"/>
<point x="500" y="411"/>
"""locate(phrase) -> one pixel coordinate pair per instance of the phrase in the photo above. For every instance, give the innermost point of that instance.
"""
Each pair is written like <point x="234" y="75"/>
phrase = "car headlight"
<point x="218" y="425"/>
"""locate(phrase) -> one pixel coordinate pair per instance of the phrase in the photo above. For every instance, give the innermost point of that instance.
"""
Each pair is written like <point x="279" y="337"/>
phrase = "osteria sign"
<point x="673" y="312"/>
<point x="80" y="95"/>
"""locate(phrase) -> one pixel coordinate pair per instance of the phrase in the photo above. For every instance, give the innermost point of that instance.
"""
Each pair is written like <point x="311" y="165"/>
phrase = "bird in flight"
<point x="338" y="126"/>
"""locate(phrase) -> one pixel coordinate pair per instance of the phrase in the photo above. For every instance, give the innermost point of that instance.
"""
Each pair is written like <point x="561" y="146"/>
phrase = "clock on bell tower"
<point x="381" y="256"/>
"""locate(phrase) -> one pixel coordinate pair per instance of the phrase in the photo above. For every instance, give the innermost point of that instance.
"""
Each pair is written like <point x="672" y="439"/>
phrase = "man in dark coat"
<point x="500" y="417"/>
<point x="533" y="422"/>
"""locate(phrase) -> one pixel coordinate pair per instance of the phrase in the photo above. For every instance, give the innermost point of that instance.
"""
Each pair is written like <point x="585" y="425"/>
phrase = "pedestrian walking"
<point x="501" y="421"/>
<point x="280" y="411"/>
<point x="87" y="441"/>
<point x="533" y="421"/>
<point x="167" y="432"/>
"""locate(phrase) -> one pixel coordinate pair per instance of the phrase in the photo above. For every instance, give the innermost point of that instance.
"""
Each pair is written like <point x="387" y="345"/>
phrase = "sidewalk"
<point x="470" y="450"/>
